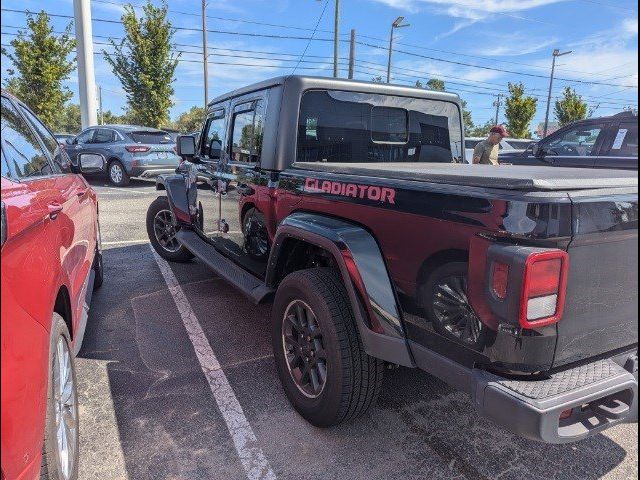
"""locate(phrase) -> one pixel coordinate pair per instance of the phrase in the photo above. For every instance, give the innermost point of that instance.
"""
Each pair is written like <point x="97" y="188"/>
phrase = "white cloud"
<point x="470" y="9"/>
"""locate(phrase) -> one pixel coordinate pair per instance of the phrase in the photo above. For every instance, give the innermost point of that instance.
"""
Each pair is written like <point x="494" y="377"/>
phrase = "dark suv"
<point x="124" y="151"/>
<point x="605" y="142"/>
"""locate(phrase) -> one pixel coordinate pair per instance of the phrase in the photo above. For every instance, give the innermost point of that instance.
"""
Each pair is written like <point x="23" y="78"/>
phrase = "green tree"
<point x="436" y="84"/>
<point x="570" y="107"/>
<point x="110" y="118"/>
<point x="377" y="79"/>
<point x="520" y="110"/>
<point x="191" y="120"/>
<point x="40" y="63"/>
<point x="419" y="84"/>
<point x="480" y="130"/>
<point x="70" y="119"/>
<point x="144" y="64"/>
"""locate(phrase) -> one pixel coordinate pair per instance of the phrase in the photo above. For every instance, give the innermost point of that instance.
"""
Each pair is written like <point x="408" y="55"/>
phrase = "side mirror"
<point x="186" y="147"/>
<point x="91" y="162"/>
<point x="536" y="150"/>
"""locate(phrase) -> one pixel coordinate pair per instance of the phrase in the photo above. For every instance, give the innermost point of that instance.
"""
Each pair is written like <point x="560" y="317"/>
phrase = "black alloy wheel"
<point x="303" y="348"/>
<point x="256" y="237"/>
<point x="165" y="231"/>
<point x="453" y="311"/>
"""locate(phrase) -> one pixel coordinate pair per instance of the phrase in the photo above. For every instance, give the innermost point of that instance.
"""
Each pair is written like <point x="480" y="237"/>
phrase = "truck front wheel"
<point x="162" y="232"/>
<point x="324" y="370"/>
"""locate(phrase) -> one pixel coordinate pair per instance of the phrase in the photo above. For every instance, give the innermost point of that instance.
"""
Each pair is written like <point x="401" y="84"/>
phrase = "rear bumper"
<point x="600" y="394"/>
<point x="151" y="171"/>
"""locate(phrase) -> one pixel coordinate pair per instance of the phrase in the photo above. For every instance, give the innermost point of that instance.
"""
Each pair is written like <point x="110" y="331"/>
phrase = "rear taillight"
<point x="137" y="149"/>
<point x="543" y="288"/>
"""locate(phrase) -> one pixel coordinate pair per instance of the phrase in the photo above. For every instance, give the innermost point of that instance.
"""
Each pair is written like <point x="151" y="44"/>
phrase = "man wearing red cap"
<point x="486" y="152"/>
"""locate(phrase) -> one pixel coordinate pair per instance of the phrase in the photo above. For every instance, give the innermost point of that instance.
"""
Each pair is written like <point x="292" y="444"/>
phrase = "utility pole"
<point x="336" y="39"/>
<point x="497" y="104"/>
<point x="205" y="54"/>
<point x="100" y="105"/>
<point x="556" y="53"/>
<point x="352" y="53"/>
<point x="86" y="74"/>
<point x="396" y="24"/>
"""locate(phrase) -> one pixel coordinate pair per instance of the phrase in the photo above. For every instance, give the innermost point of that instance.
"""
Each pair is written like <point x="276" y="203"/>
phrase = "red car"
<point x="51" y="262"/>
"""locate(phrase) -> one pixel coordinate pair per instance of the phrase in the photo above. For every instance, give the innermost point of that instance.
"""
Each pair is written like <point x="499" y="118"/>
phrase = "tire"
<point x="118" y="176"/>
<point x="53" y="465"/>
<point x="166" y="246"/>
<point x="437" y="301"/>
<point x="256" y="237"/>
<point x="352" y="379"/>
<point x="98" y="268"/>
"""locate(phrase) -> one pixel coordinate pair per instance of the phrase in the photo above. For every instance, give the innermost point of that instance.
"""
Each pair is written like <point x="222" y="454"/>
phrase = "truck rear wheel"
<point x="162" y="233"/>
<point x="324" y="370"/>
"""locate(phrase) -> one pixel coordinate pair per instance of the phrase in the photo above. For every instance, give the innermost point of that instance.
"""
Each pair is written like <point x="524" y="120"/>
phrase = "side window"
<point x="103" y="135"/>
<point x="625" y="143"/>
<point x="85" y="137"/>
<point x="61" y="160"/>
<point x="575" y="142"/>
<point x="5" y="167"/>
<point x="247" y="132"/>
<point x="214" y="137"/>
<point x="24" y="153"/>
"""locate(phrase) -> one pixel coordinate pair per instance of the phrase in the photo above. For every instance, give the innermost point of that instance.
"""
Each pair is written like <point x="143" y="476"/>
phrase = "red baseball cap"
<point x="500" y="129"/>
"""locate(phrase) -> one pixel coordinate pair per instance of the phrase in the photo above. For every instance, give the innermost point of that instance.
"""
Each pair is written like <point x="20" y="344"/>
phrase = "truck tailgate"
<point x="601" y="310"/>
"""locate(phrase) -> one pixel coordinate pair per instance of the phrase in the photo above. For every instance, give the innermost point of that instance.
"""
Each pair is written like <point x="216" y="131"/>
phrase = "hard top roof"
<point x="338" y="84"/>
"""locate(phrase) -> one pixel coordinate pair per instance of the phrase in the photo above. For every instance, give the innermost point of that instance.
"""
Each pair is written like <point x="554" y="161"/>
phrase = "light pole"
<point x="397" y="24"/>
<point x="205" y="55"/>
<point x="336" y="39"/>
<point x="497" y="104"/>
<point x="86" y="74"/>
<point x="556" y="53"/>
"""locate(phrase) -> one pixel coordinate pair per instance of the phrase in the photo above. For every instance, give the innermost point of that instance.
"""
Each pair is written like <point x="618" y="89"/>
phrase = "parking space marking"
<point x="126" y="242"/>
<point x="253" y="459"/>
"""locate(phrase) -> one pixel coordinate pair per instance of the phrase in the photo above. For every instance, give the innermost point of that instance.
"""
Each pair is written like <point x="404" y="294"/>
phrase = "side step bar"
<point x="251" y="286"/>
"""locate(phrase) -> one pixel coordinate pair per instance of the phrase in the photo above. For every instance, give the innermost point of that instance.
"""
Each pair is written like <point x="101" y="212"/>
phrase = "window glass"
<point x="336" y="126"/>
<point x="5" y="167"/>
<point x="575" y="142"/>
<point x="61" y="159"/>
<point x="85" y="137"/>
<point x="24" y="153"/>
<point x="151" y="138"/>
<point x="214" y="137"/>
<point x="248" y="130"/>
<point x="625" y="143"/>
<point x="103" y="135"/>
<point x="389" y="125"/>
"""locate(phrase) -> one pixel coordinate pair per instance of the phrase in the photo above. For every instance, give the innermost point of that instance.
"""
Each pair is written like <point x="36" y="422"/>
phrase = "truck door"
<point x="241" y="186"/>
<point x="621" y="148"/>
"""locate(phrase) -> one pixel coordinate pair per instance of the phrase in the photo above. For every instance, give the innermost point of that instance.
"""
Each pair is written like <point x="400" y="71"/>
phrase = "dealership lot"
<point x="149" y="411"/>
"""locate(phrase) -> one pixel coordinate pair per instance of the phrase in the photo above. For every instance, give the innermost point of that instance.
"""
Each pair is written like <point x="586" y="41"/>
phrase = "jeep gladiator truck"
<point x="344" y="204"/>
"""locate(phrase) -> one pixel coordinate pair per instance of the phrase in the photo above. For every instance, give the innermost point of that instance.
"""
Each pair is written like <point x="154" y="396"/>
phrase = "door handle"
<point x="54" y="209"/>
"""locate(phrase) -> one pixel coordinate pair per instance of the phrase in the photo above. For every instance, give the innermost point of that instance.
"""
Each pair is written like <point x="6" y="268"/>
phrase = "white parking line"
<point x="126" y="242"/>
<point x="253" y="460"/>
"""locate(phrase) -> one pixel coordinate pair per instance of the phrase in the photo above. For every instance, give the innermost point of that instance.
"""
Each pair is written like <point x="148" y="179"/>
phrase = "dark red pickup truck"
<point x="345" y="204"/>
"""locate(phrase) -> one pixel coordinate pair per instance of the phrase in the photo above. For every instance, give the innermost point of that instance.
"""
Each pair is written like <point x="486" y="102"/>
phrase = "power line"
<point x="324" y="8"/>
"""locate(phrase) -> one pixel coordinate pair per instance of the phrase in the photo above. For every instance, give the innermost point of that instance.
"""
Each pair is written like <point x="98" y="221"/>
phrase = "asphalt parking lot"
<point x="176" y="381"/>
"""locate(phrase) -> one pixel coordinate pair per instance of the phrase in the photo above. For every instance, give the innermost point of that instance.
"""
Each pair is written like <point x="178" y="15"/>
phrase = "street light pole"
<point x="556" y="53"/>
<point x="396" y="24"/>
<point x="497" y="104"/>
<point x="205" y="54"/>
<point x="352" y="53"/>
<point x="86" y="74"/>
<point x="336" y="39"/>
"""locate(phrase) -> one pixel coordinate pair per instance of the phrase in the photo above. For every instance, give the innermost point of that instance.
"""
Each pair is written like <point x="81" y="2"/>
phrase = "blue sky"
<point x="464" y="42"/>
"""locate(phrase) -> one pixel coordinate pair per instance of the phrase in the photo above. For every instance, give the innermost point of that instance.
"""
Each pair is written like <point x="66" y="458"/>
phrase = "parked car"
<point x="605" y="142"/>
<point x="64" y="138"/>
<point x="459" y="270"/>
<point x="471" y="142"/>
<point x="125" y="151"/>
<point x="51" y="262"/>
<point x="520" y="143"/>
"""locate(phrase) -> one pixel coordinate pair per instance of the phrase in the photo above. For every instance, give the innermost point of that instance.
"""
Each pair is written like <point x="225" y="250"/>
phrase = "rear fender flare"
<point x="364" y="275"/>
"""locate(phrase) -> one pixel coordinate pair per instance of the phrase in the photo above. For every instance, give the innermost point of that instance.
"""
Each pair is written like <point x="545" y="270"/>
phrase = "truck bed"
<point x="505" y="177"/>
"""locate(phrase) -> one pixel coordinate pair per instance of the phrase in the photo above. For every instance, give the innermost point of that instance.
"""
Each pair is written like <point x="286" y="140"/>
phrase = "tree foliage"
<point x="40" y="62"/>
<point x="70" y="119"/>
<point x="520" y="110"/>
<point x="570" y="107"/>
<point x="480" y="130"/>
<point x="377" y="79"/>
<point x="435" y="84"/>
<point x="190" y="121"/>
<point x="144" y="64"/>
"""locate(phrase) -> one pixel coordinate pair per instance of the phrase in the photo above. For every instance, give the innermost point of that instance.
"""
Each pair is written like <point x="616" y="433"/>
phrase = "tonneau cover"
<point x="509" y="177"/>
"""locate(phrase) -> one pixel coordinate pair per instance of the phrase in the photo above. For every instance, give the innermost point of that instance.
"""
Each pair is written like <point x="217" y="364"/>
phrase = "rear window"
<point x="346" y="127"/>
<point x="152" y="138"/>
